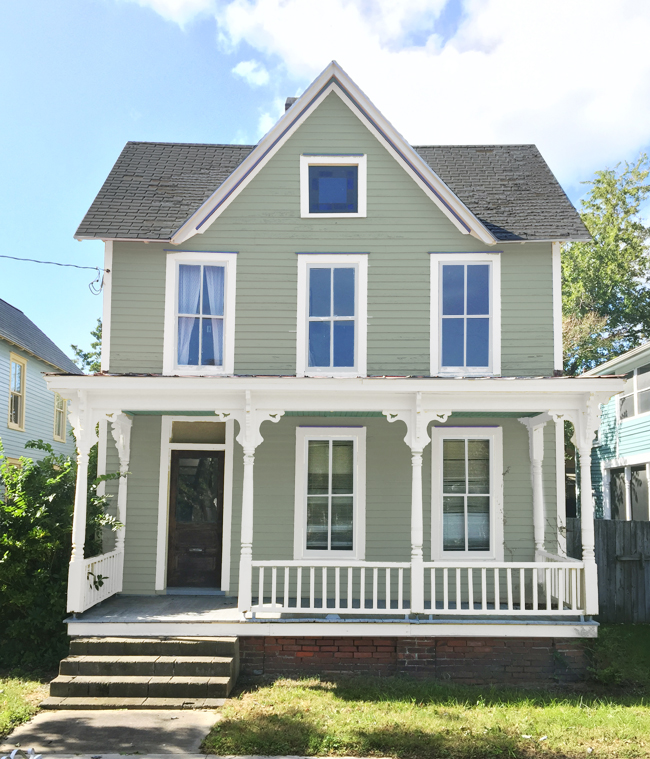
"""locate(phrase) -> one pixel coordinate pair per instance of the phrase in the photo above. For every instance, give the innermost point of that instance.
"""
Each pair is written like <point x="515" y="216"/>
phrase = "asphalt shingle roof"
<point x="17" y="329"/>
<point x="155" y="186"/>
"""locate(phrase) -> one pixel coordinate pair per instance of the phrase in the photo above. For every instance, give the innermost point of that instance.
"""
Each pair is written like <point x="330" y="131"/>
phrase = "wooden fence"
<point x="623" y="558"/>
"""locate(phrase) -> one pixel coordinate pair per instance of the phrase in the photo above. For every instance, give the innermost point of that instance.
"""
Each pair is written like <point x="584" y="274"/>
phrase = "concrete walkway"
<point x="112" y="733"/>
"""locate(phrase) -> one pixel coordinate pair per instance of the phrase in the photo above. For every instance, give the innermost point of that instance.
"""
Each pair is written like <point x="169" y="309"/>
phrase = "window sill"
<point x="15" y="427"/>
<point x="333" y="216"/>
<point x="203" y="371"/>
<point x="58" y="440"/>
<point x="332" y="374"/>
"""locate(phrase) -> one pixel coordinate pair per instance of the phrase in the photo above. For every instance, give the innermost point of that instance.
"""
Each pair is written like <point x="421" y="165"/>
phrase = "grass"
<point x="399" y="717"/>
<point x="20" y="696"/>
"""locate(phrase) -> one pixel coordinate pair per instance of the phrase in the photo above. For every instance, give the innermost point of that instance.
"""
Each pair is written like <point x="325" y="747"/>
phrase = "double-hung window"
<point x="332" y="317"/>
<point x="17" y="376"/>
<point x="59" y="418"/>
<point x="465" y="314"/>
<point x="636" y="397"/>
<point x="467" y="493"/>
<point x="330" y="492"/>
<point x="199" y="313"/>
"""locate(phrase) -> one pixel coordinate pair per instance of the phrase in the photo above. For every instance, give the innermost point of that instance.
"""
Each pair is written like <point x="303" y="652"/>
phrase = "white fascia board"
<point x="624" y="363"/>
<point x="334" y="79"/>
<point x="107" y="306"/>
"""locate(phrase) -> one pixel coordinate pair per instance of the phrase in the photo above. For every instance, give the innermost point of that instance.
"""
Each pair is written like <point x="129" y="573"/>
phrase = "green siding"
<point x="263" y="225"/>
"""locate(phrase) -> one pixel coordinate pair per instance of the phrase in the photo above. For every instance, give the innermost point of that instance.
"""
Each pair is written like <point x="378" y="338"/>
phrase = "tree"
<point x="90" y="361"/>
<point x="605" y="286"/>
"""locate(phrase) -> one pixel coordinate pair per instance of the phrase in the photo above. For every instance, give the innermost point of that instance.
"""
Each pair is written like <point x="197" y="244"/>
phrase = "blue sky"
<point x="81" y="77"/>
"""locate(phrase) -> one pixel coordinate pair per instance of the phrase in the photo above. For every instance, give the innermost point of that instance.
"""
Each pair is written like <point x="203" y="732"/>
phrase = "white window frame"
<point x="334" y="160"/>
<point x="14" y="358"/>
<point x="170" y="348"/>
<point x="63" y="409"/>
<point x="436" y="262"/>
<point x="303" y="436"/>
<point x="345" y="260"/>
<point x="495" y="436"/>
<point x="632" y="391"/>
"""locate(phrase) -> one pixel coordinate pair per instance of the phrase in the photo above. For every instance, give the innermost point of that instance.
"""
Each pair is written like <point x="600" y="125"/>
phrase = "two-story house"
<point x="30" y="410"/>
<point x="332" y="367"/>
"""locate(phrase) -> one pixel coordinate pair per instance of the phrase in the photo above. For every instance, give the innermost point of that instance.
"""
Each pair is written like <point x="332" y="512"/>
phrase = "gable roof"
<point x="17" y="329"/>
<point x="169" y="192"/>
<point x="632" y="359"/>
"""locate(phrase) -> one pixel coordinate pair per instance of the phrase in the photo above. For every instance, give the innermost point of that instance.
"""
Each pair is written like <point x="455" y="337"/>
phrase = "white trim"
<point x="558" y="359"/>
<point x="166" y="448"/>
<point x="107" y="306"/>
<point x="334" y="79"/>
<point x="635" y="460"/>
<point x="560" y="487"/>
<point x="494" y="258"/>
<point x="15" y="358"/>
<point x="443" y="628"/>
<point x="360" y="262"/>
<point x="303" y="435"/>
<point x="229" y="260"/>
<point x="102" y="442"/>
<point x="495" y="436"/>
<point x="334" y="160"/>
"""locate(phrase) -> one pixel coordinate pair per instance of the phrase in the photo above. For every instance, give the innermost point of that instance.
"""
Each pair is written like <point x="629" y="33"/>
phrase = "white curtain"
<point x="213" y="293"/>
<point x="189" y="293"/>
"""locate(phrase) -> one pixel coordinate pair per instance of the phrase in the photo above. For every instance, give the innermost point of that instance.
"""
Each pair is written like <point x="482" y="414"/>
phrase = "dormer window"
<point x="332" y="186"/>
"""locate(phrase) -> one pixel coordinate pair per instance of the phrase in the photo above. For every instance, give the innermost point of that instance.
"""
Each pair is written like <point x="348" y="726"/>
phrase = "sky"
<point x="79" y="78"/>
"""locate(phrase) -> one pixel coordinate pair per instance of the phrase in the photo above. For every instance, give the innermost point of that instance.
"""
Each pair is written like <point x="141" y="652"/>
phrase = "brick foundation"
<point x="465" y="660"/>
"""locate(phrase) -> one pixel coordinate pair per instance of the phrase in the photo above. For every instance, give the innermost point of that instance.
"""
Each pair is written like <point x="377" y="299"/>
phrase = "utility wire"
<point x="95" y="286"/>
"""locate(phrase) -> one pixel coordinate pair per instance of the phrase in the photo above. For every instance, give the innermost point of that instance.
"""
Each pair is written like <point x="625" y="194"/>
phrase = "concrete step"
<point x="172" y="666"/>
<point x="98" y="702"/>
<point x="154" y="647"/>
<point x="125" y="686"/>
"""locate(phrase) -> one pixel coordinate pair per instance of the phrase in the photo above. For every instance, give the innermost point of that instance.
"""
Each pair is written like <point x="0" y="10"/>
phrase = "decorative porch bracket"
<point x="535" y="426"/>
<point x="417" y="421"/>
<point x="121" y="430"/>
<point x="586" y="422"/>
<point x="250" y="420"/>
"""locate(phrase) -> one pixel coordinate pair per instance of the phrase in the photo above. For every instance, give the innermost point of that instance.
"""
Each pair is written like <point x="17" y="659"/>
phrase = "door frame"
<point x="166" y="449"/>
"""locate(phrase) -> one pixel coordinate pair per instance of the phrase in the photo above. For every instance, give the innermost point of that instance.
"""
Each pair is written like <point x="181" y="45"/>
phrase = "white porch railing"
<point x="300" y="587"/>
<point x="95" y="579"/>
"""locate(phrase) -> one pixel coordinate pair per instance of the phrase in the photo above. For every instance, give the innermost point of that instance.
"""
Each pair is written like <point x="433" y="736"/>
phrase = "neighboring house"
<point x="621" y="454"/>
<point x="31" y="411"/>
<point x="331" y="364"/>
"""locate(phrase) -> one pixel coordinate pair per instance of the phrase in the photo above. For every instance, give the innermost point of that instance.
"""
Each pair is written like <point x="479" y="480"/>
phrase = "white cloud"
<point x="253" y="72"/>
<point x="179" y="11"/>
<point x="572" y="77"/>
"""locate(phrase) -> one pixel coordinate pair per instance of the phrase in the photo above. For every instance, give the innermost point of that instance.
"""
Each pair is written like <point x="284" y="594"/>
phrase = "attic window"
<point x="332" y="186"/>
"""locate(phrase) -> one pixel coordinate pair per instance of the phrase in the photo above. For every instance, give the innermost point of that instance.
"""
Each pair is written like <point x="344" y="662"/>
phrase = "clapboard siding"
<point x="264" y="227"/>
<point x="39" y="409"/>
<point x="634" y="436"/>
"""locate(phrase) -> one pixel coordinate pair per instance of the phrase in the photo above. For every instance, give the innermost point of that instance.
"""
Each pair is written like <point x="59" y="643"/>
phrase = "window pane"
<point x="16" y="378"/>
<point x="453" y="466"/>
<point x="196" y="496"/>
<point x="453" y="523"/>
<point x="189" y="289"/>
<point x="643" y="377"/>
<point x="317" y="523"/>
<point x="342" y="508"/>
<point x="15" y="403"/>
<point x="319" y="343"/>
<point x="212" y="343"/>
<point x="320" y="292"/>
<point x="453" y="290"/>
<point x="478" y="461"/>
<point x="478" y="342"/>
<point x="478" y="289"/>
<point x="639" y="493"/>
<point x="318" y="467"/>
<point x="213" y="280"/>
<point x="617" y="493"/>
<point x="342" y="466"/>
<point x="333" y="189"/>
<point x="188" y="341"/>
<point x="626" y="408"/>
<point x="478" y="523"/>
<point x="343" y="292"/>
<point x="343" y="344"/>
<point x="644" y="401"/>
<point x="453" y="339"/>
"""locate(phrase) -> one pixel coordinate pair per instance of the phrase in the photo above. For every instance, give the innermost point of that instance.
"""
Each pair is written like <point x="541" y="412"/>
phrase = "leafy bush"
<point x="36" y="507"/>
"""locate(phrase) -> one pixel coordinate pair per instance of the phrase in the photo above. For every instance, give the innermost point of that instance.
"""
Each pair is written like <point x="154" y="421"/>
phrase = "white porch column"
<point x="84" y="430"/>
<point x="249" y="437"/>
<point x="121" y="430"/>
<point x="417" y="438"/>
<point x="535" y="426"/>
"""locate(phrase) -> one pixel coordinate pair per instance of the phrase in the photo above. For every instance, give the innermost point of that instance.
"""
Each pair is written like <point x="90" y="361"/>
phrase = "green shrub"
<point x="36" y="507"/>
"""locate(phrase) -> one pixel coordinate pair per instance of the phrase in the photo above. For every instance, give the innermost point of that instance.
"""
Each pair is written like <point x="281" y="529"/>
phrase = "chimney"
<point x="289" y="102"/>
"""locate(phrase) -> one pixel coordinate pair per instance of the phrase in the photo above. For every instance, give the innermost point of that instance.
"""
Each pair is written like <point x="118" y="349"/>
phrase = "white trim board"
<point x="360" y="161"/>
<point x="107" y="306"/>
<point x="558" y="359"/>
<point x="636" y="460"/>
<point x="163" y="494"/>
<point x="334" y="79"/>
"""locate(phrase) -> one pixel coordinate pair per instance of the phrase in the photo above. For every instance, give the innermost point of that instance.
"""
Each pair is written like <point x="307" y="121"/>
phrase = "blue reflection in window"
<point x="213" y="281"/>
<point x="343" y="292"/>
<point x="319" y="343"/>
<point x="212" y="342"/>
<point x="188" y="341"/>
<point x="478" y="290"/>
<point x="453" y="339"/>
<point x="478" y="342"/>
<point x="453" y="290"/>
<point x="344" y="344"/>
<point x="320" y="293"/>
<point x="333" y="189"/>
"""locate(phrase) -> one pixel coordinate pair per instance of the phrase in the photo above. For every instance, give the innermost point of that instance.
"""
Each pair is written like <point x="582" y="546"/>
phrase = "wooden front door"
<point x="195" y="519"/>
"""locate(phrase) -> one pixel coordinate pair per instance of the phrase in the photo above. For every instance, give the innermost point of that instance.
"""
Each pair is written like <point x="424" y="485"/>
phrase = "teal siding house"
<point x="332" y="368"/>
<point x="621" y="454"/>
<point x="29" y="410"/>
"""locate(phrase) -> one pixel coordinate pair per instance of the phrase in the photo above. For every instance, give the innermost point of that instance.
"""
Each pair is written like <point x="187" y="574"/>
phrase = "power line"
<point x="95" y="286"/>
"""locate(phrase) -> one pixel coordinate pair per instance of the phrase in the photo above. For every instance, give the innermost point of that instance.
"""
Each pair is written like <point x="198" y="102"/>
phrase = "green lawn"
<point x="398" y="717"/>
<point x="19" y="699"/>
